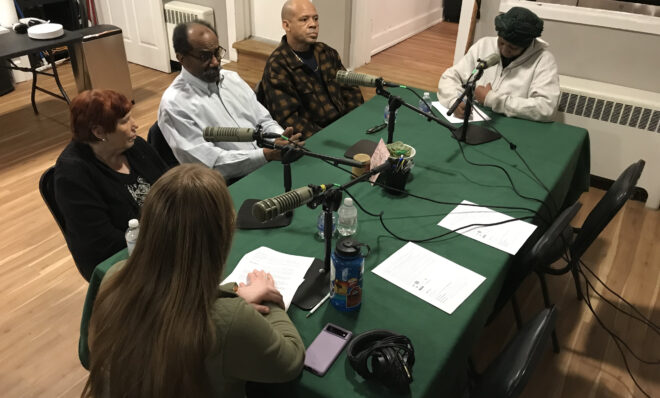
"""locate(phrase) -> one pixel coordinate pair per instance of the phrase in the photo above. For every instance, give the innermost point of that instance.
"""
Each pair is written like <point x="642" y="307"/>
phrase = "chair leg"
<point x="555" y="341"/>
<point x="544" y="290"/>
<point x="516" y="311"/>
<point x="576" y="279"/>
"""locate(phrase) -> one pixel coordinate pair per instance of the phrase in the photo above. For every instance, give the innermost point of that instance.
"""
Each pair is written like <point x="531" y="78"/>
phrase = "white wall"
<point x="266" y="22"/>
<point x="393" y="21"/>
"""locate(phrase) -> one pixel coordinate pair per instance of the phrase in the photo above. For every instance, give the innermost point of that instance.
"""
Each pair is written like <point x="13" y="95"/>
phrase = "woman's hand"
<point x="260" y="288"/>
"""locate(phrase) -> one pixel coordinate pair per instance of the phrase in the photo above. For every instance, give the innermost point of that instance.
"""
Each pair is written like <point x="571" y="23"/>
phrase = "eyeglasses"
<point x="206" y="56"/>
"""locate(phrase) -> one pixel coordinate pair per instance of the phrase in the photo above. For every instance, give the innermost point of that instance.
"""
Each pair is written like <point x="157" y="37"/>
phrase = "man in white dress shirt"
<point x="205" y="95"/>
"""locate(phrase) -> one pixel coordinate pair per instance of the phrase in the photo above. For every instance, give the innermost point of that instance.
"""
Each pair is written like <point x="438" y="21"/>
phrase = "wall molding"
<point x="404" y="30"/>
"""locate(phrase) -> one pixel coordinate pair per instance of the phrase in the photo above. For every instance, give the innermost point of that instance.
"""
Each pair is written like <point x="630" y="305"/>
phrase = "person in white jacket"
<point x="524" y="83"/>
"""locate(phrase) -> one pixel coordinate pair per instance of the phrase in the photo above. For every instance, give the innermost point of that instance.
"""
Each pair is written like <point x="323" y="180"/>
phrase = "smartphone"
<point x="326" y="348"/>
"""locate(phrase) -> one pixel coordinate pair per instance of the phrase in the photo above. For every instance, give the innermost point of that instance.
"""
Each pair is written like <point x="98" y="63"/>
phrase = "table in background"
<point x="14" y="45"/>
<point x="558" y="154"/>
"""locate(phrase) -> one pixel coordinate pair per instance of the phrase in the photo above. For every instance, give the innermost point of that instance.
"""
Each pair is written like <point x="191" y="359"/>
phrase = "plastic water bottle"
<point x="386" y="114"/>
<point x="132" y="234"/>
<point x="321" y="223"/>
<point x="347" y="224"/>
<point x="422" y="106"/>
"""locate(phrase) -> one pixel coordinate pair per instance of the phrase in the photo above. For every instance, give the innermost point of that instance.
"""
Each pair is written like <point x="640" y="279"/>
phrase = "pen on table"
<point x="317" y="306"/>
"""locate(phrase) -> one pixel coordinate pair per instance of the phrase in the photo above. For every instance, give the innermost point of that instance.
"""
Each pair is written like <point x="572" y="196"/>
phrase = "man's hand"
<point x="480" y="93"/>
<point x="260" y="288"/>
<point x="275" y="154"/>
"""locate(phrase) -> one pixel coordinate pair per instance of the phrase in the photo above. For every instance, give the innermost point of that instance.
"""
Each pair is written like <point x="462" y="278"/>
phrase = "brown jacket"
<point x="294" y="95"/>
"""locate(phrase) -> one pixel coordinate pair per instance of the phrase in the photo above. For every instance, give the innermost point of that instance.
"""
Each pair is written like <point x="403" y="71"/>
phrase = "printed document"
<point x="475" y="117"/>
<point x="433" y="278"/>
<point x="287" y="270"/>
<point x="508" y="237"/>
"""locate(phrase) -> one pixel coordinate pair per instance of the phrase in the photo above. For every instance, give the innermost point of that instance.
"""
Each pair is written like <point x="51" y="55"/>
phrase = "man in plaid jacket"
<point x="298" y="85"/>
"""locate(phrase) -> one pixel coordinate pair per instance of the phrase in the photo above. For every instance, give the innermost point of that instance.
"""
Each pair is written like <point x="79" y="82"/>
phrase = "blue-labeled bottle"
<point x="346" y="269"/>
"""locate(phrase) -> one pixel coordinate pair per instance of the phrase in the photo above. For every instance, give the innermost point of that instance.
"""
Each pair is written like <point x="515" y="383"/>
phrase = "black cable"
<point x="394" y="235"/>
<point x="514" y="148"/>
<point x="508" y="176"/>
<point x="643" y="319"/>
<point x="536" y="213"/>
<point x="614" y="337"/>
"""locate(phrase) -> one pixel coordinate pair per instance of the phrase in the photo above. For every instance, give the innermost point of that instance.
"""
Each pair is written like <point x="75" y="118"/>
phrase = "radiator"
<point x="177" y="12"/>
<point x="623" y="125"/>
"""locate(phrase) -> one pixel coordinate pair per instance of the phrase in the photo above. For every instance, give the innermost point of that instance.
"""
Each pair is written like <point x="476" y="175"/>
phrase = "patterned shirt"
<point x="296" y="97"/>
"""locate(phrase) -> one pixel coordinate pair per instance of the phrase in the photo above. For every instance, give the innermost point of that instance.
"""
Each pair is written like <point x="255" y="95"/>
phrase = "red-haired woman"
<point x="102" y="176"/>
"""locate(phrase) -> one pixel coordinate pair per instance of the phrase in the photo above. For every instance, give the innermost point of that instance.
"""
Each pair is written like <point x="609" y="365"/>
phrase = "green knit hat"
<point x="519" y="26"/>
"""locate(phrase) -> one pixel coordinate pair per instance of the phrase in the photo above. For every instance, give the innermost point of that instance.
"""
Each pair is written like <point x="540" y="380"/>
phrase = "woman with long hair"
<point x="162" y="327"/>
<point x="102" y="176"/>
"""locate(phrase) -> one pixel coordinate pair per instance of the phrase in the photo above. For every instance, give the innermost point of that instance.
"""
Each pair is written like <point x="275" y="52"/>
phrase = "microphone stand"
<point x="244" y="218"/>
<point x="469" y="133"/>
<point x="317" y="281"/>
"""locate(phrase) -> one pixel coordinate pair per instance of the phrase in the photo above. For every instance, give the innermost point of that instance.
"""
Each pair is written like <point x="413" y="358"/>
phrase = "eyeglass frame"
<point x="218" y="53"/>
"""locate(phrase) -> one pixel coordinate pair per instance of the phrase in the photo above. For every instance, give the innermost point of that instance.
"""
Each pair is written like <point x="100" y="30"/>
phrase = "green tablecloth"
<point x="558" y="154"/>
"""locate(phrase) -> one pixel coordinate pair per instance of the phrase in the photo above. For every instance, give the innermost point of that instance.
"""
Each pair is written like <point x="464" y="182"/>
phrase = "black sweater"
<point x="95" y="204"/>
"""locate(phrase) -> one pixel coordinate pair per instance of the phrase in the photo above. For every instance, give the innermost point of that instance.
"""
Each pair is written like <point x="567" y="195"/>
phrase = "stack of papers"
<point x="288" y="271"/>
<point x="431" y="277"/>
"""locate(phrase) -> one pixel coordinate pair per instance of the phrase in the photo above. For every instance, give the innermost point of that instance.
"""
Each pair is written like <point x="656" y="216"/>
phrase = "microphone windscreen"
<point x="229" y="134"/>
<point x="355" y="79"/>
<point x="268" y="209"/>
<point x="491" y="60"/>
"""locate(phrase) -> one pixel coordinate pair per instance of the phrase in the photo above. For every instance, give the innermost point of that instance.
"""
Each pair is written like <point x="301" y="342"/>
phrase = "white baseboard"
<point x="404" y="30"/>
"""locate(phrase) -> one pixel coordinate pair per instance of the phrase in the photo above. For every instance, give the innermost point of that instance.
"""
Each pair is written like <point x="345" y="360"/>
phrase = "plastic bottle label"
<point x="346" y="282"/>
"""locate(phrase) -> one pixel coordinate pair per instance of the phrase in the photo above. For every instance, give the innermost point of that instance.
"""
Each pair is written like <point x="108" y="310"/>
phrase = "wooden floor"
<point x="41" y="293"/>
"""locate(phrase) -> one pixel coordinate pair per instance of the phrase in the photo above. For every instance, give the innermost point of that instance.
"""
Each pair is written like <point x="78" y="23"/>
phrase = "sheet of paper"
<point x="433" y="278"/>
<point x="476" y="114"/>
<point x="380" y="156"/>
<point x="508" y="237"/>
<point x="287" y="270"/>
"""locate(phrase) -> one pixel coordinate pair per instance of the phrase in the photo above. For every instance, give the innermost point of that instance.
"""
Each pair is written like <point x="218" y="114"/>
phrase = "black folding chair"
<point x="601" y="215"/>
<point x="156" y="139"/>
<point x="47" y="190"/>
<point x="507" y="375"/>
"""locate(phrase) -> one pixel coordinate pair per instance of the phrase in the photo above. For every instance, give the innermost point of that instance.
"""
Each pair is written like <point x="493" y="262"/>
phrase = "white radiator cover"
<point x="177" y="12"/>
<point x="623" y="125"/>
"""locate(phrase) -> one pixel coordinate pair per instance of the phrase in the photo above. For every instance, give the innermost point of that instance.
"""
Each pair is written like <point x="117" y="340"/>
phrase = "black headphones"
<point x="392" y="358"/>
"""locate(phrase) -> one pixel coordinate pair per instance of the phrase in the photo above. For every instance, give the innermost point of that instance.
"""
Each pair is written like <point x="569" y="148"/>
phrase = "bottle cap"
<point x="348" y="247"/>
<point x="133" y="223"/>
<point x="348" y="202"/>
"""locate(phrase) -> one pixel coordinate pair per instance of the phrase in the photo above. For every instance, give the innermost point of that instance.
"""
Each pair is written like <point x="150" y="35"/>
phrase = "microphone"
<point x="361" y="79"/>
<point x="268" y="209"/>
<point x="236" y="134"/>
<point x="491" y="60"/>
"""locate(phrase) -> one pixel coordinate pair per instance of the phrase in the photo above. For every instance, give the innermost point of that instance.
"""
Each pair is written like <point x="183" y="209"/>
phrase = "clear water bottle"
<point x="132" y="234"/>
<point x="347" y="224"/>
<point x="386" y="114"/>
<point x="422" y="105"/>
<point x="320" y="223"/>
